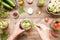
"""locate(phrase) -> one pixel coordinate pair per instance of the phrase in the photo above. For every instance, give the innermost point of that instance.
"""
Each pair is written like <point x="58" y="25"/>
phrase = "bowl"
<point x="54" y="30"/>
<point x="55" y="25"/>
<point x="53" y="13"/>
<point x="26" y="24"/>
<point x="53" y="6"/>
<point x="5" y="25"/>
<point x="24" y="28"/>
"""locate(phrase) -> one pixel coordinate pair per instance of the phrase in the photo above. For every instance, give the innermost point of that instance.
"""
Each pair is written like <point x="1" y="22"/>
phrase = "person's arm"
<point x="12" y="36"/>
<point x="16" y="31"/>
<point x="43" y="31"/>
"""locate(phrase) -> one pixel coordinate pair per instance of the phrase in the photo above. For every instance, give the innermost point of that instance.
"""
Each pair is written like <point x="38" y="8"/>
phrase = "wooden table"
<point x="35" y="17"/>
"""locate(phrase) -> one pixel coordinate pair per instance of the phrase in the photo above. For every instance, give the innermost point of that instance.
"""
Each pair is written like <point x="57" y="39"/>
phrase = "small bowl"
<point x="4" y="29"/>
<point x="24" y="28"/>
<point x="54" y="30"/>
<point x="6" y="26"/>
<point x="30" y="26"/>
<point x="51" y="24"/>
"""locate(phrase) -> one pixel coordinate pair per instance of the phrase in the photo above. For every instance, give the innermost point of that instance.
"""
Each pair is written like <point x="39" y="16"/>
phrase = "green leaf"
<point x="21" y="10"/>
<point x="3" y="36"/>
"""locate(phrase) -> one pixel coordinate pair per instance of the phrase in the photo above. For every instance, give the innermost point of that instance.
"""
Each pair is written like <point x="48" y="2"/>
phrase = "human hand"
<point x="16" y="31"/>
<point x="44" y="31"/>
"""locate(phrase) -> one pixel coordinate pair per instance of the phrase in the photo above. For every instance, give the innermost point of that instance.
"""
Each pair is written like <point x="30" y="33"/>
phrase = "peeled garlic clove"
<point x="39" y="12"/>
<point x="30" y="11"/>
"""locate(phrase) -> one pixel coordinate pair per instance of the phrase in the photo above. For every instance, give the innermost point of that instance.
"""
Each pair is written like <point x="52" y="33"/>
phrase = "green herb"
<point x="21" y="10"/>
<point x="3" y="12"/>
<point x="3" y="36"/>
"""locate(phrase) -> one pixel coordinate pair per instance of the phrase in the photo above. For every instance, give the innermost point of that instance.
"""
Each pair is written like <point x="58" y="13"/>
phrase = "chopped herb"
<point x="21" y="10"/>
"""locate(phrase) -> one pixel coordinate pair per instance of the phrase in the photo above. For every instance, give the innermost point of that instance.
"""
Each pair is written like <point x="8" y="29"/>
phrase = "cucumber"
<point x="1" y="25"/>
<point x="0" y="1"/>
<point x="10" y="2"/>
<point x="6" y="5"/>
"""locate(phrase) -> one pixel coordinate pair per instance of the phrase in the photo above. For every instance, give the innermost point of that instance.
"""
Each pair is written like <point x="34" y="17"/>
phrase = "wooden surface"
<point x="35" y="17"/>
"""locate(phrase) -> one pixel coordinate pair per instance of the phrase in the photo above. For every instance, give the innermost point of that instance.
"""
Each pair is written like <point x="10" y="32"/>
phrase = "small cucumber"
<point x="6" y="5"/>
<point x="0" y="1"/>
<point x="10" y="2"/>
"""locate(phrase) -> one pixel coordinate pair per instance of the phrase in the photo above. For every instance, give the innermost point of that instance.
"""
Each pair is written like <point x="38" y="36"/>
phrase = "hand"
<point x="16" y="32"/>
<point x="44" y="31"/>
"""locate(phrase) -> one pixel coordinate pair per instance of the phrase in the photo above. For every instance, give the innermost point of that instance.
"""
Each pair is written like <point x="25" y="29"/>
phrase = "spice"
<point x="15" y="15"/>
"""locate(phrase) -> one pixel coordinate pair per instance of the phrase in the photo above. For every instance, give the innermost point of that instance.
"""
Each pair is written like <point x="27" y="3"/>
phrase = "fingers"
<point x="18" y="23"/>
<point x="43" y="34"/>
<point x="16" y="32"/>
<point x="43" y="27"/>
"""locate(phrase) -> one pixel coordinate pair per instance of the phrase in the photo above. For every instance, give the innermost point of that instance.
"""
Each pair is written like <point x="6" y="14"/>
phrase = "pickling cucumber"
<point x="10" y="2"/>
<point x="0" y="1"/>
<point x="6" y="5"/>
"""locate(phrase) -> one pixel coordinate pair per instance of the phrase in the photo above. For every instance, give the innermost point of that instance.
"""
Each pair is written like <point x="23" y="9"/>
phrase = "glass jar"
<point x="40" y="2"/>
